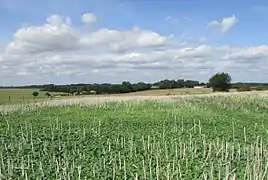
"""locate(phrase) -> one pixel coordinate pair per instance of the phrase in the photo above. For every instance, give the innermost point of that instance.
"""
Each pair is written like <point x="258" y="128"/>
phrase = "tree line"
<point x="108" y="88"/>
<point x="218" y="82"/>
<point x="124" y="87"/>
<point x="104" y="88"/>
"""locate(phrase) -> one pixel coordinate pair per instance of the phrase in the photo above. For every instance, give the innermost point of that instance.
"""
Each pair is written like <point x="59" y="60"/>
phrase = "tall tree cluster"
<point x="220" y="82"/>
<point x="124" y="87"/>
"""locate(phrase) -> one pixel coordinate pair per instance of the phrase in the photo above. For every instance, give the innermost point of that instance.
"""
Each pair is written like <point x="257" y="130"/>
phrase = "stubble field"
<point x="220" y="136"/>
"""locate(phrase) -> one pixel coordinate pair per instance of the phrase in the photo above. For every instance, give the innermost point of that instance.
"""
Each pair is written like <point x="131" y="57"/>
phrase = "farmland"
<point x="196" y="137"/>
<point x="14" y="96"/>
<point x="24" y="96"/>
<point x="176" y="91"/>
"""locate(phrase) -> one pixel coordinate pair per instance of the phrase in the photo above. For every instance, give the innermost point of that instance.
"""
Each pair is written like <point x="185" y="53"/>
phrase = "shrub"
<point x="259" y="88"/>
<point x="47" y="94"/>
<point x="35" y="94"/>
<point x="244" y="88"/>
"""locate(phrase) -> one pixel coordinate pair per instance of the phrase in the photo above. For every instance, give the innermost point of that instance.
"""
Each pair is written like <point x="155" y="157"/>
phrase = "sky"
<point x="110" y="41"/>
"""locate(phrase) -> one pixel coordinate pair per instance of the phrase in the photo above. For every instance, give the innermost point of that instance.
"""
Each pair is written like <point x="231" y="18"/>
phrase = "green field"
<point x="196" y="138"/>
<point x="14" y="96"/>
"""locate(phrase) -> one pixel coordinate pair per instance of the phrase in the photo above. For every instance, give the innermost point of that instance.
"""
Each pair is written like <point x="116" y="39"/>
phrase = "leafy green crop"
<point x="202" y="138"/>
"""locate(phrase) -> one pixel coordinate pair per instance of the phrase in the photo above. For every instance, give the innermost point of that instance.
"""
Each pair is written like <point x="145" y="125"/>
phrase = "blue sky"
<point x="149" y="14"/>
<point x="179" y="19"/>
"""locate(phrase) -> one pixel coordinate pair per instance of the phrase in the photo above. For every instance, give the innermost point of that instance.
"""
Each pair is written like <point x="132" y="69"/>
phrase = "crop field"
<point x="165" y="92"/>
<point x="196" y="137"/>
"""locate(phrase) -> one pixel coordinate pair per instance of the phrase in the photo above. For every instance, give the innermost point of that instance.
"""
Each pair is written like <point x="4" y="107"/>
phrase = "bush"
<point x="35" y="94"/>
<point x="47" y="94"/>
<point x="259" y="88"/>
<point x="245" y="88"/>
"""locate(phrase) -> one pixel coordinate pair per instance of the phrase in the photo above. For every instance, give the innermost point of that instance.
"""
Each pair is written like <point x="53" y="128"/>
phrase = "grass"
<point x="20" y="96"/>
<point x="195" y="138"/>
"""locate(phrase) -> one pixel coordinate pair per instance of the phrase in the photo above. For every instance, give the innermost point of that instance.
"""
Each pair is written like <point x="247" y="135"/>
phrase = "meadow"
<point x="16" y="95"/>
<point x="198" y="137"/>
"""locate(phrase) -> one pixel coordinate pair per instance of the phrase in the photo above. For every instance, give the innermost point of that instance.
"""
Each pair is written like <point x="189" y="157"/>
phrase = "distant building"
<point x="75" y="93"/>
<point x="92" y="92"/>
<point x="84" y="93"/>
<point x="200" y="87"/>
<point x="154" y="87"/>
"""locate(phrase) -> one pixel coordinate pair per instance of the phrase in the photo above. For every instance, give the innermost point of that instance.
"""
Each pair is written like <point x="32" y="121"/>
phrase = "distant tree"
<point x="243" y="88"/>
<point x="220" y="82"/>
<point x="164" y="84"/>
<point x="47" y="94"/>
<point x="35" y="94"/>
<point x="141" y="86"/>
<point x="191" y="83"/>
<point x="126" y="87"/>
<point x="173" y="84"/>
<point x="180" y="83"/>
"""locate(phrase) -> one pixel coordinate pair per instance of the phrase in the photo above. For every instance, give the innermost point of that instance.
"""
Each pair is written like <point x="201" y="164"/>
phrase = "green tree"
<point x="191" y="83"/>
<point x="126" y="87"/>
<point x="47" y="94"/>
<point x="220" y="82"/>
<point x="35" y="94"/>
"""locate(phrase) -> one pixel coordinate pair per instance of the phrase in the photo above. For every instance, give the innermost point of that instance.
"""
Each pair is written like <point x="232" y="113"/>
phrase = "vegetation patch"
<point x="197" y="138"/>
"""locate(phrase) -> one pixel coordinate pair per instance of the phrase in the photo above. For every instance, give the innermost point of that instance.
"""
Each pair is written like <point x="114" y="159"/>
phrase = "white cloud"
<point x="55" y="20"/>
<point x="203" y="39"/>
<point x="89" y="18"/>
<point x="254" y="53"/>
<point x="225" y="24"/>
<point x="57" y="35"/>
<point x="58" y="52"/>
<point x="176" y="20"/>
<point x="122" y="40"/>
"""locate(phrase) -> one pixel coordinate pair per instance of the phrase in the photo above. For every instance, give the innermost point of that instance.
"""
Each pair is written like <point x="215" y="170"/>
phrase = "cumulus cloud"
<point x="225" y="24"/>
<point x="57" y="35"/>
<point x="122" y="40"/>
<point x="254" y="53"/>
<point x="57" y="52"/>
<point x="89" y="18"/>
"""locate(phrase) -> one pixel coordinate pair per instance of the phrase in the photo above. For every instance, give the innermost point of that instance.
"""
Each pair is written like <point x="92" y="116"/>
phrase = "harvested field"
<point x="95" y="100"/>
